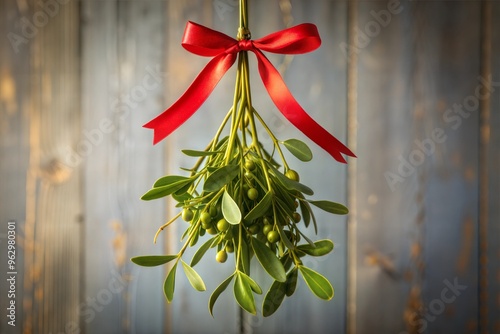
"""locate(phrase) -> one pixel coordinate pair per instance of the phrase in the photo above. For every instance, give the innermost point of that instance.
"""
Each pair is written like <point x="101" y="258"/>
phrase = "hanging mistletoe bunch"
<point x="241" y="199"/>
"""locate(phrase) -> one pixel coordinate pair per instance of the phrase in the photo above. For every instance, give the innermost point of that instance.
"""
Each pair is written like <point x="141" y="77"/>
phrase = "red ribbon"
<point x="204" y="41"/>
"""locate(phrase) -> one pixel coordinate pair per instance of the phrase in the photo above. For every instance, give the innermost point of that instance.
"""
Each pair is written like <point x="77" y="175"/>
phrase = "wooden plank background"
<point x="123" y="79"/>
<point x="415" y="83"/>
<point x="41" y="98"/>
<point x="417" y="232"/>
<point x="489" y="275"/>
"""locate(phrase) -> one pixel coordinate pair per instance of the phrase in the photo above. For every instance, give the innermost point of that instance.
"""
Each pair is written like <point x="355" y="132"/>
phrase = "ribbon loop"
<point x="204" y="41"/>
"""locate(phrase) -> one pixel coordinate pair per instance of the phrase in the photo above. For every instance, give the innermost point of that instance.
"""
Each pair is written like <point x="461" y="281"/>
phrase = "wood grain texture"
<point x="76" y="89"/>
<point x="55" y="244"/>
<point x="14" y="149"/>
<point x="490" y="191"/>
<point x="189" y="309"/>
<point x="42" y="55"/>
<point x="420" y="235"/>
<point x="123" y="80"/>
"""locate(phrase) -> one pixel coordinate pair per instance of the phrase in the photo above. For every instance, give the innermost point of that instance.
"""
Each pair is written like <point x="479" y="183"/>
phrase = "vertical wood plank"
<point x="14" y="152"/>
<point x="48" y="110"/>
<point x="188" y="313"/>
<point x="418" y="237"/>
<point x="450" y="227"/>
<point x="490" y="139"/>
<point x="100" y="84"/>
<point x="56" y="244"/>
<point x="352" y="176"/>
<point x="123" y="81"/>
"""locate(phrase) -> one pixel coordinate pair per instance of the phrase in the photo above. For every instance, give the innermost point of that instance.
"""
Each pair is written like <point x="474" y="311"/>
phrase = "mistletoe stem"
<point x="272" y="136"/>
<point x="243" y="14"/>
<point x="165" y="225"/>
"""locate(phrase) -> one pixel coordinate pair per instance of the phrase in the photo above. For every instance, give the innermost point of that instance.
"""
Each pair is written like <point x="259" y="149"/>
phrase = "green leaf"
<point x="243" y="294"/>
<point x="193" y="277"/>
<point x="317" y="283"/>
<point x="305" y="208"/>
<point x="287" y="211"/>
<point x="195" y="238"/>
<point x="167" y="189"/>
<point x="230" y="209"/>
<point x="222" y="143"/>
<point x="290" y="184"/>
<point x="273" y="299"/>
<point x="153" y="260"/>
<point x="170" y="180"/>
<point x="187" y="169"/>
<point x="156" y="193"/>
<point x="194" y="153"/>
<point x="217" y="240"/>
<point x="220" y="177"/>
<point x="299" y="149"/>
<point x="283" y="196"/>
<point x="311" y="243"/>
<point x="245" y="256"/>
<point x="217" y="292"/>
<point x="183" y="190"/>
<point x="287" y="261"/>
<point x="284" y="237"/>
<point x="315" y="223"/>
<point x="255" y="287"/>
<point x="169" y="286"/>
<point x="331" y="207"/>
<point x="291" y="282"/>
<point x="268" y="260"/>
<point x="322" y="247"/>
<point x="181" y="198"/>
<point x="201" y="251"/>
<point x="211" y="169"/>
<point x="261" y="208"/>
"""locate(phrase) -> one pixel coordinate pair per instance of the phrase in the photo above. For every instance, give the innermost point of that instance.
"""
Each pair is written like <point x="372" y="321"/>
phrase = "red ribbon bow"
<point x="204" y="41"/>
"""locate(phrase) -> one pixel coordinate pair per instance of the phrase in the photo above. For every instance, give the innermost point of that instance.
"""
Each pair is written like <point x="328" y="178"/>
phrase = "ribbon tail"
<point x="192" y="99"/>
<point x="291" y="109"/>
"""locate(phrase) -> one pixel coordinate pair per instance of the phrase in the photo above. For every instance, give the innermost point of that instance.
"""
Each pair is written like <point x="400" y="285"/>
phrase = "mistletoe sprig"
<point x="249" y="204"/>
